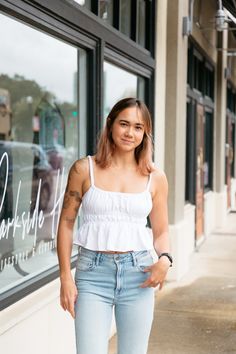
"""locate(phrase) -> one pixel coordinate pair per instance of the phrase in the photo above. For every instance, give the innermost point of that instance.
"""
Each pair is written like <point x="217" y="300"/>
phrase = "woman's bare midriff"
<point x="112" y="252"/>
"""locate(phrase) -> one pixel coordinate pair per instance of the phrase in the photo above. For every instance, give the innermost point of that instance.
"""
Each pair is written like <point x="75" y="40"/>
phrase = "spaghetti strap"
<point x="91" y="173"/>
<point x="149" y="181"/>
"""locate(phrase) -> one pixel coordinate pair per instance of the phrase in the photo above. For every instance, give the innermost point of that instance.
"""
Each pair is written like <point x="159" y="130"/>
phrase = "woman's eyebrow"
<point x="126" y="121"/>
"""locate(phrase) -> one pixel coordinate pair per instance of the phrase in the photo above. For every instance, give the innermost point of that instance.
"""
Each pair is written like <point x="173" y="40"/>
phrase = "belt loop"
<point x="97" y="258"/>
<point x="134" y="258"/>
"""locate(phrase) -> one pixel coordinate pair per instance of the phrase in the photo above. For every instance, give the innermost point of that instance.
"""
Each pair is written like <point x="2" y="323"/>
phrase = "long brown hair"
<point x="143" y="152"/>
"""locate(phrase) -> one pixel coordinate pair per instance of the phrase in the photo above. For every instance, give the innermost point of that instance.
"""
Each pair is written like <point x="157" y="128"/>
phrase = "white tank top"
<point x="114" y="221"/>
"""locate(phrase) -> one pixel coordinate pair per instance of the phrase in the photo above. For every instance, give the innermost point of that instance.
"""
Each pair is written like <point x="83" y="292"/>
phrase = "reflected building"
<point x="5" y="114"/>
<point x="51" y="123"/>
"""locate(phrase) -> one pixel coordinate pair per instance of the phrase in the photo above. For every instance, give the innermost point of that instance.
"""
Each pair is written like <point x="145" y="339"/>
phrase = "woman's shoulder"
<point x="80" y="167"/>
<point x="159" y="178"/>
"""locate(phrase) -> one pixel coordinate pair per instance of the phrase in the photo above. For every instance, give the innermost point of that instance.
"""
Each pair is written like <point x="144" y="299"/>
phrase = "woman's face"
<point x="128" y="129"/>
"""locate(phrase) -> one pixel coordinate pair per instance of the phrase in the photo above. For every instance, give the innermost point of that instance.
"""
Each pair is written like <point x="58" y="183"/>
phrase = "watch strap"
<point x="168" y="256"/>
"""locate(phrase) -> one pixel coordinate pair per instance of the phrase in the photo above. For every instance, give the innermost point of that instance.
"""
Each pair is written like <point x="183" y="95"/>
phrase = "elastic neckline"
<point x="116" y="193"/>
<point x="129" y="193"/>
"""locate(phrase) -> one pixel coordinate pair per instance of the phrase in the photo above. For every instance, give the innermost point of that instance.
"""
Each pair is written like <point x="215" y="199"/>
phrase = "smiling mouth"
<point x="127" y="141"/>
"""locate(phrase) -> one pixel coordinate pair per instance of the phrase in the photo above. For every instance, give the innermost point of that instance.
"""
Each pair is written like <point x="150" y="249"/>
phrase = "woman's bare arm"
<point x="159" y="215"/>
<point x="159" y="223"/>
<point x="71" y="203"/>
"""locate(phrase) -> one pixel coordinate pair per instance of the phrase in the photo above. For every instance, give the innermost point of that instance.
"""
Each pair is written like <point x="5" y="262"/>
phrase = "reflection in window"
<point x="82" y="87"/>
<point x="141" y="22"/>
<point x="125" y="17"/>
<point x="106" y="10"/>
<point x="85" y="3"/>
<point x="119" y="83"/>
<point x="39" y="142"/>
<point x="141" y="88"/>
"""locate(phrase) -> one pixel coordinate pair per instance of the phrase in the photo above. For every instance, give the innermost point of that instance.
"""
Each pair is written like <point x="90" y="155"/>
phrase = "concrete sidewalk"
<point x="197" y="315"/>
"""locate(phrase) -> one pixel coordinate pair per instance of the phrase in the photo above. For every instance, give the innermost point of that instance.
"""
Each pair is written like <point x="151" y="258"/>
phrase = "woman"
<point x="118" y="188"/>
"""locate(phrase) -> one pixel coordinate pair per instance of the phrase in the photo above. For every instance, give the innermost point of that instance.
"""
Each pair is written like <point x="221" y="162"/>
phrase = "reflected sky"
<point x="34" y="55"/>
<point x="118" y="83"/>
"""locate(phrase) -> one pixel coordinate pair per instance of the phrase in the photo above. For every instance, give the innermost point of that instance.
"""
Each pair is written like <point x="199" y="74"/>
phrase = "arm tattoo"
<point x="76" y="196"/>
<point x="71" y="194"/>
<point x="69" y="220"/>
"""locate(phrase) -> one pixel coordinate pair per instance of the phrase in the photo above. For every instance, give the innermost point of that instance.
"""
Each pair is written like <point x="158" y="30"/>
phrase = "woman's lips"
<point x="127" y="141"/>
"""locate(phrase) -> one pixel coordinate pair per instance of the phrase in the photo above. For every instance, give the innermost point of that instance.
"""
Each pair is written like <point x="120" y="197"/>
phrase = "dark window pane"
<point x="106" y="10"/>
<point x="141" y="23"/>
<point x="195" y="77"/>
<point x="201" y="76"/>
<point x="190" y="168"/>
<point x="233" y="149"/>
<point x="234" y="103"/>
<point x="189" y="73"/>
<point x="208" y="150"/>
<point x="125" y="17"/>
<point x="231" y="100"/>
<point x="198" y="79"/>
<point x="209" y="82"/>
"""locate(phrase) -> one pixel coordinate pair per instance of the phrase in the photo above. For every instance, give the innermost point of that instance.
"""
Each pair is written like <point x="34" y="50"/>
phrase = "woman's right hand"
<point x="68" y="296"/>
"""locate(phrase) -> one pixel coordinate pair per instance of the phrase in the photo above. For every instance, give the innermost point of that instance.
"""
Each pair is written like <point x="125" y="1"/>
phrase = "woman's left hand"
<point x="158" y="273"/>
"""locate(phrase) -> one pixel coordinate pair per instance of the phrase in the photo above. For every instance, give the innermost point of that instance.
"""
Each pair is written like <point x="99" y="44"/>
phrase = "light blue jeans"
<point x="105" y="281"/>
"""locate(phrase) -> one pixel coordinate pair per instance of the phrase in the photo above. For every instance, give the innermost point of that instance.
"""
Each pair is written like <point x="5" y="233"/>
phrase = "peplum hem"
<point x="116" y="236"/>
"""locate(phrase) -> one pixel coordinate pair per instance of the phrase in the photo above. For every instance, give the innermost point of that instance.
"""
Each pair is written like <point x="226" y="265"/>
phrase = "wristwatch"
<point x="168" y="256"/>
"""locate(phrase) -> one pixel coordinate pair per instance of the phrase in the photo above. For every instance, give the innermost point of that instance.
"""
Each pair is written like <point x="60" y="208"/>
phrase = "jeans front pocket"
<point x="85" y="263"/>
<point x="144" y="260"/>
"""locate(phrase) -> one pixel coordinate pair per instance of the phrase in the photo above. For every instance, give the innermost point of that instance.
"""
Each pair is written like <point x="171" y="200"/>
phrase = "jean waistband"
<point x="132" y="255"/>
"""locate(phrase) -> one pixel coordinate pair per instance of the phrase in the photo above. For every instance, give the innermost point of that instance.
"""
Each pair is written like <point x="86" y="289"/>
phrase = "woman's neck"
<point x="124" y="161"/>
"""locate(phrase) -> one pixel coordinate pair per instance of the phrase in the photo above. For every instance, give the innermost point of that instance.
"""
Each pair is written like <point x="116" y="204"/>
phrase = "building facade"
<point x="200" y="122"/>
<point x="63" y="65"/>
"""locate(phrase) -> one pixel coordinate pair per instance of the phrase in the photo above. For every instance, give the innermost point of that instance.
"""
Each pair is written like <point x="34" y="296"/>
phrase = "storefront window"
<point x="118" y="84"/>
<point x="39" y="114"/>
